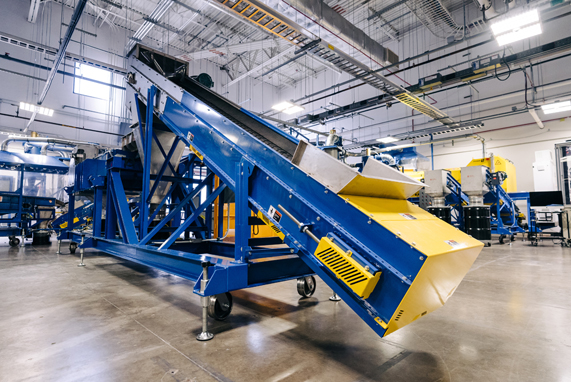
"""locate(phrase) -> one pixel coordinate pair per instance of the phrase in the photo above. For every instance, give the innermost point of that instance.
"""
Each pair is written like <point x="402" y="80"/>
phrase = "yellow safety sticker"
<point x="271" y="225"/>
<point x="196" y="152"/>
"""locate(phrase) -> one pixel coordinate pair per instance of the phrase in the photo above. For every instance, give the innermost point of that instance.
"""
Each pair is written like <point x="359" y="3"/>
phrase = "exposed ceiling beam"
<point x="262" y="65"/>
<point x="159" y="11"/>
<point x="227" y="50"/>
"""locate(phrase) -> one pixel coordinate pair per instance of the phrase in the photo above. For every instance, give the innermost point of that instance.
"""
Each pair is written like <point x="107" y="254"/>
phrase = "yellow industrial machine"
<point x="496" y="163"/>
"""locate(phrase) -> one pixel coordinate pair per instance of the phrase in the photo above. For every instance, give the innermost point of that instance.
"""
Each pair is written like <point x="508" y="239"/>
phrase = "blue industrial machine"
<point x="389" y="260"/>
<point x="505" y="214"/>
<point x="26" y="201"/>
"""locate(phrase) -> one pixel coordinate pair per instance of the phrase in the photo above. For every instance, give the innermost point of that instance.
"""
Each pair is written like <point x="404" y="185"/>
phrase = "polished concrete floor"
<point x="510" y="320"/>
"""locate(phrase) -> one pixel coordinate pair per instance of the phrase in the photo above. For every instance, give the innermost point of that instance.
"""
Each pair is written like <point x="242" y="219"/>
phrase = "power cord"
<point x="509" y="69"/>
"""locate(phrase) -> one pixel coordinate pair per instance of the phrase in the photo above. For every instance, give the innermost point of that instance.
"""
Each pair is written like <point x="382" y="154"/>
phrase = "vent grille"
<point x="346" y="268"/>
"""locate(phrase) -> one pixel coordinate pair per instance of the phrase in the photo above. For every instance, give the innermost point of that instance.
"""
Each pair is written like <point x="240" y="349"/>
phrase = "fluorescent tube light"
<point x="388" y="139"/>
<point x="517" y="28"/>
<point x="282" y="106"/>
<point x="293" y="109"/>
<point x="556" y="107"/>
<point x="37" y="109"/>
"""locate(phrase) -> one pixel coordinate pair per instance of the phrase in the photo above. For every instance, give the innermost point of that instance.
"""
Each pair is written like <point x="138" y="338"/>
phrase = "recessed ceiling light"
<point x="388" y="139"/>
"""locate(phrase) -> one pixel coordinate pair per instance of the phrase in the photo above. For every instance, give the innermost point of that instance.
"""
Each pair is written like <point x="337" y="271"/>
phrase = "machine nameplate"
<point x="454" y="244"/>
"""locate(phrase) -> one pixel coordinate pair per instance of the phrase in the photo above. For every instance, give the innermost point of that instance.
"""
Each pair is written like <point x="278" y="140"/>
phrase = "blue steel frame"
<point x="504" y="212"/>
<point x="21" y="213"/>
<point x="260" y="179"/>
<point x="457" y="200"/>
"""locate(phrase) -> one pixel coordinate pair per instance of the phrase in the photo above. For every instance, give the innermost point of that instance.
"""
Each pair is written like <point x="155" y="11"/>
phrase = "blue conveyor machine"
<point x="24" y="206"/>
<point x="389" y="260"/>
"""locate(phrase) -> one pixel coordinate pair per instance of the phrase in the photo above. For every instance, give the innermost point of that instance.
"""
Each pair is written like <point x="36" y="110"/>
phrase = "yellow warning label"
<point x="196" y="152"/>
<point x="271" y="225"/>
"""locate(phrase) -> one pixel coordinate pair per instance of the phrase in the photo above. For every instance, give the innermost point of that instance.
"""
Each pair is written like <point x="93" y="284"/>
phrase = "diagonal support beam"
<point x="176" y="234"/>
<point x="289" y="50"/>
<point x="177" y="209"/>
<point x="124" y="213"/>
<point x="163" y="167"/>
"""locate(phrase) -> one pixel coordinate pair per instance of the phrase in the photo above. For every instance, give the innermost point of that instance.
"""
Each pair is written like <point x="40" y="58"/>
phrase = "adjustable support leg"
<point x="205" y="335"/>
<point x="81" y="250"/>
<point x="335" y="297"/>
<point x="23" y="237"/>
<point x="58" y="247"/>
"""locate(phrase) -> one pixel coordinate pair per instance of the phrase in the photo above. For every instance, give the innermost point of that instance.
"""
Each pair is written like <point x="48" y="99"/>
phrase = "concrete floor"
<point x="510" y="320"/>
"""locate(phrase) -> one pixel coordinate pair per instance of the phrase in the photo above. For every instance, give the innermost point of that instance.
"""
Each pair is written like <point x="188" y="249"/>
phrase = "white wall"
<point x="108" y="46"/>
<point x="257" y="96"/>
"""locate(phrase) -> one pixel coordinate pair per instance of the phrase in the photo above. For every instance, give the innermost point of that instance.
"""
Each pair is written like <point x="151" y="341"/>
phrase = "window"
<point x="90" y="88"/>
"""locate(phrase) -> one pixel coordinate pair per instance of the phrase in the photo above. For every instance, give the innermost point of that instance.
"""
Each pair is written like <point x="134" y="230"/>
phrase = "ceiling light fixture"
<point x="282" y="106"/>
<point x="287" y="107"/>
<point x="37" y="109"/>
<point x="556" y="107"/>
<point x="388" y="139"/>
<point x="517" y="28"/>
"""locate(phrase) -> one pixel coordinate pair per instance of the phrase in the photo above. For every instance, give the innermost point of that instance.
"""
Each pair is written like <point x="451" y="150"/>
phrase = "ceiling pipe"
<point x="62" y="48"/>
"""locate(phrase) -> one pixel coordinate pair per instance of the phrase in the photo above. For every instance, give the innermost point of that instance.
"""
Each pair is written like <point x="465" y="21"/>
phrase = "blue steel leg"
<point x="208" y="212"/>
<point x="111" y="218"/>
<point x="70" y="213"/>
<point x="97" y="212"/>
<point x="122" y="207"/>
<point x="148" y="132"/>
<point x="21" y="202"/>
<point x="242" y="211"/>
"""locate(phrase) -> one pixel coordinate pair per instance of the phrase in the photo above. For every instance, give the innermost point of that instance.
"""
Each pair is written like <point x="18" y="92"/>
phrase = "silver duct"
<point x="322" y="14"/>
<point x="67" y="142"/>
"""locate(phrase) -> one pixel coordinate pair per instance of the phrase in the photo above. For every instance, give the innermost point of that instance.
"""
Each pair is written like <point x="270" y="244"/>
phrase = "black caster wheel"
<point x="502" y="237"/>
<point x="306" y="286"/>
<point x="512" y="237"/>
<point x="14" y="242"/>
<point x="72" y="247"/>
<point x="220" y="306"/>
<point x="488" y="244"/>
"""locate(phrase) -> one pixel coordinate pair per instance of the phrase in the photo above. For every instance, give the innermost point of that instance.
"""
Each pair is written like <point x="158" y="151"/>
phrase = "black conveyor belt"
<point x="273" y="139"/>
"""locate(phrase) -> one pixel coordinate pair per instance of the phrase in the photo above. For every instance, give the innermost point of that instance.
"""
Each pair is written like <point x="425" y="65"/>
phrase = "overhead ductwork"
<point x="65" y="142"/>
<point x="325" y="16"/>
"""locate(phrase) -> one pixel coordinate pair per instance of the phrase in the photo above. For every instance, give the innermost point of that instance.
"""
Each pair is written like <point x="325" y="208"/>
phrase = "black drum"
<point x="443" y="213"/>
<point x="477" y="222"/>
